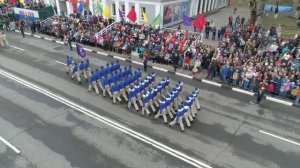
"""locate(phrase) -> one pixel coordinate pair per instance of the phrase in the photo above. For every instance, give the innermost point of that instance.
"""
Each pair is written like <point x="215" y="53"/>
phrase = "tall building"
<point x="171" y="11"/>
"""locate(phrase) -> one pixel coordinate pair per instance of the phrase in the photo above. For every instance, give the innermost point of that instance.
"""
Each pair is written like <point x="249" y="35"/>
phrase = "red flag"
<point x="132" y="15"/>
<point x="200" y="22"/>
<point x="74" y="4"/>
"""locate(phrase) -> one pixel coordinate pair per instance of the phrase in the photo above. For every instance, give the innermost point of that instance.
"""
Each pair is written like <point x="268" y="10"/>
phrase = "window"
<point x="123" y="9"/>
<point x="143" y="9"/>
<point x="113" y="9"/>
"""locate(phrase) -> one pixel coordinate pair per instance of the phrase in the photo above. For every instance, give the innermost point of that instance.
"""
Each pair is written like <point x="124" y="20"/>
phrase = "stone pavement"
<point x="220" y="18"/>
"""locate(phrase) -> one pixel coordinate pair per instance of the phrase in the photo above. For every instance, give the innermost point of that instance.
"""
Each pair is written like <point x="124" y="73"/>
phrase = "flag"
<point x="21" y="1"/>
<point x="132" y="15"/>
<point x="187" y="20"/>
<point x="99" y="6"/>
<point x="74" y="4"/>
<point x="106" y="12"/>
<point x="80" y="51"/>
<point x="121" y="14"/>
<point x="156" y="20"/>
<point x="200" y="22"/>
<point x="80" y="8"/>
<point x="145" y="17"/>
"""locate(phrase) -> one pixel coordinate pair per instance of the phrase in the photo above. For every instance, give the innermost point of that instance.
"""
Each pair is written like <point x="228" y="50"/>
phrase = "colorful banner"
<point x="26" y="12"/>
<point x="174" y="12"/>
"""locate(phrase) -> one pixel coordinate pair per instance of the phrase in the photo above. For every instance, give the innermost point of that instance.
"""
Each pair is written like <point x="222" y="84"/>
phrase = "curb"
<point x="172" y="72"/>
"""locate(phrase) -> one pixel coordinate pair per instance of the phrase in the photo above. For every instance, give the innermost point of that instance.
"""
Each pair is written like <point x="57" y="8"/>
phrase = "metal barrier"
<point x="182" y="31"/>
<point x="49" y="19"/>
<point x="105" y="30"/>
<point x="198" y="40"/>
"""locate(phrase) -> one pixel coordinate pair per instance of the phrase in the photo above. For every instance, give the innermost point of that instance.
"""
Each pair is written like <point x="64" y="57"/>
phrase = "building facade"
<point x="171" y="11"/>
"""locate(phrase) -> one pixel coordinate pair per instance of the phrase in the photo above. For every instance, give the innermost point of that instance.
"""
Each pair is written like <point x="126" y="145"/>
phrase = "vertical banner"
<point x="80" y="51"/>
<point x="167" y="17"/>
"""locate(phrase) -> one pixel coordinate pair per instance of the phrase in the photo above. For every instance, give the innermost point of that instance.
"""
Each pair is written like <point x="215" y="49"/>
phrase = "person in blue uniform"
<point x="69" y="60"/>
<point x="138" y="88"/>
<point x="178" y="118"/>
<point x="115" y="91"/>
<point x="168" y="106"/>
<point x="198" y="106"/>
<point x="151" y="99"/>
<point x="186" y="116"/>
<point x="86" y="72"/>
<point x="145" y="103"/>
<point x="81" y="68"/>
<point x="75" y="73"/>
<point x="105" y="84"/>
<point x="188" y="108"/>
<point x="132" y="98"/>
<point x="162" y="110"/>
<point x="93" y="83"/>
<point x="122" y="93"/>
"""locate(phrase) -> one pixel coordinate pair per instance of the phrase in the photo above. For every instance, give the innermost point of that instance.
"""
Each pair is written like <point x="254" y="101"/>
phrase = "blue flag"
<point x="80" y="51"/>
<point x="121" y="14"/>
<point x="187" y="20"/>
<point x="80" y="8"/>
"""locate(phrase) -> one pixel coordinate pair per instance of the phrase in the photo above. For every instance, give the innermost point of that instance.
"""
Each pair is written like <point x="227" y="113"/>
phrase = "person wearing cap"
<point x="151" y="99"/>
<point x="196" y="94"/>
<point x="155" y="96"/>
<point x="178" y="118"/>
<point x="187" y="108"/>
<point x="162" y="110"/>
<point x="132" y="98"/>
<point x="187" y="117"/>
<point x="86" y="72"/>
<point x="139" y="89"/>
<point x="69" y="60"/>
<point x="105" y="83"/>
<point x="146" y="96"/>
<point x="168" y="105"/>
<point x="153" y="75"/>
<point x="75" y="73"/>
<point x="92" y="83"/>
<point x="81" y="68"/>
<point x="115" y="91"/>
<point x="122" y="85"/>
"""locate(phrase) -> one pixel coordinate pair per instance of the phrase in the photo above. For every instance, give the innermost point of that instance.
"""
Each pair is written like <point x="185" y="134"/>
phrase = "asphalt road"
<point x="228" y="131"/>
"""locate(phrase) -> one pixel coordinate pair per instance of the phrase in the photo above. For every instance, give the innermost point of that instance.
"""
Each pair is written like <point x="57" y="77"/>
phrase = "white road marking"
<point x="120" y="58"/>
<point x="37" y="36"/>
<point x="160" y="69"/>
<point x="102" y="53"/>
<point x="61" y="63"/>
<point x="279" y="101"/>
<point x="16" y="47"/>
<point x="105" y="120"/>
<point x="275" y="136"/>
<point x="87" y="49"/>
<point x="59" y="42"/>
<point x="136" y="62"/>
<point x="10" y="145"/>
<point x="243" y="91"/>
<point x="210" y="82"/>
<point x="49" y="39"/>
<point x="184" y="75"/>
<point x="27" y="33"/>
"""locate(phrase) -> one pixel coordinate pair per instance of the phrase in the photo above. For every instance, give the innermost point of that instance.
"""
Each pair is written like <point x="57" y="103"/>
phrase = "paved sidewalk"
<point x="220" y="18"/>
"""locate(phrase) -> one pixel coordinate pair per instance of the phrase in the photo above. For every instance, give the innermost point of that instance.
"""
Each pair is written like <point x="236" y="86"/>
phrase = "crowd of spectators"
<point x="250" y="57"/>
<point x="82" y="27"/>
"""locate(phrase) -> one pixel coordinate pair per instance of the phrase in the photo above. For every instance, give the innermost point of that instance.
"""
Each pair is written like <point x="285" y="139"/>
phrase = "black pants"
<point x="22" y="32"/>
<point x="70" y="45"/>
<point x="145" y="66"/>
